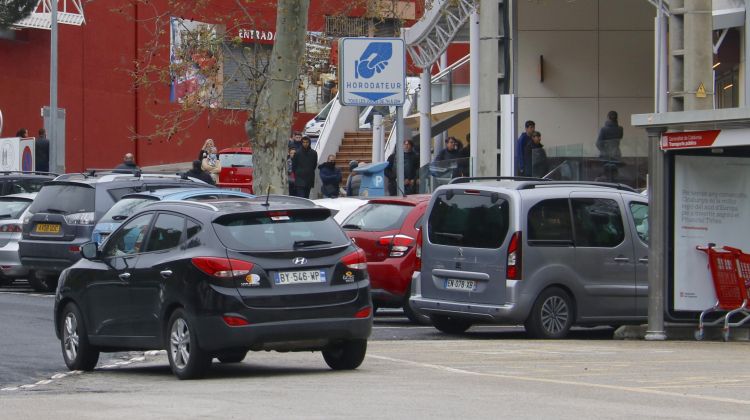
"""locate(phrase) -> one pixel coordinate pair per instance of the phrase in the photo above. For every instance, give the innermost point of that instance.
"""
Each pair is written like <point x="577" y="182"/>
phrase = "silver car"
<point x="545" y="254"/>
<point x="11" y="208"/>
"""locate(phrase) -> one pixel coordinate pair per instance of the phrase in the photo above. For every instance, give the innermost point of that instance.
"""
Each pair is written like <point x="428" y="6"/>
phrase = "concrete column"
<point x="691" y="51"/>
<point x="425" y="125"/>
<point x="473" y="90"/>
<point x="658" y="240"/>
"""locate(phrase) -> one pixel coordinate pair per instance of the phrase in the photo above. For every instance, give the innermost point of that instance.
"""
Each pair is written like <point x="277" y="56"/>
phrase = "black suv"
<point x="16" y="182"/>
<point x="217" y="279"/>
<point x="63" y="215"/>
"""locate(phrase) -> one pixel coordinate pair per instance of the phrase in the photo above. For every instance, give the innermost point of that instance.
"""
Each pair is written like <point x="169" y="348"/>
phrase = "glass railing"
<point x="451" y="83"/>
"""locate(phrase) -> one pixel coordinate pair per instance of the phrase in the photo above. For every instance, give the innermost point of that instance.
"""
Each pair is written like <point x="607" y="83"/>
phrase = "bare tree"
<point x="11" y="11"/>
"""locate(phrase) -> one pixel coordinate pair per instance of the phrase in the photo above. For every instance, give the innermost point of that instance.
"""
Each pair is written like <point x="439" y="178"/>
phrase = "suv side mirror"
<point x="90" y="251"/>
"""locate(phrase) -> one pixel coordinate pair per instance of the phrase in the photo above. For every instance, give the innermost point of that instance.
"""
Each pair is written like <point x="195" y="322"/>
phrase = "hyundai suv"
<point x="64" y="213"/>
<point x="545" y="254"/>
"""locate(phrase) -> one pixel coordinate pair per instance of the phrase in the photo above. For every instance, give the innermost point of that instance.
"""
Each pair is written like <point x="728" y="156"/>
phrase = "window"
<point x="478" y="221"/>
<point x="125" y="208"/>
<point x="25" y="186"/>
<point x="129" y="239"/>
<point x="77" y="199"/>
<point x="192" y="229"/>
<point x="236" y="160"/>
<point x="639" y="211"/>
<point x="378" y="217"/>
<point x="549" y="223"/>
<point x="598" y="222"/>
<point x="166" y="233"/>
<point x="11" y="208"/>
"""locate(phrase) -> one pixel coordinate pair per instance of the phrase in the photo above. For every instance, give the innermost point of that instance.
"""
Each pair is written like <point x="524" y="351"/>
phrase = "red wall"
<point x="103" y="109"/>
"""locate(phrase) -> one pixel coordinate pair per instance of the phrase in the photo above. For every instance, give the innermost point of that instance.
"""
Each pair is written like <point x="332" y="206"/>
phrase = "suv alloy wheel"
<point x="186" y="358"/>
<point x="78" y="353"/>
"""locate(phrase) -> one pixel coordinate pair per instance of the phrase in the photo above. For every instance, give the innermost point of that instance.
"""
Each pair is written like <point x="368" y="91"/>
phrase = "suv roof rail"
<point x="28" y="173"/>
<point x="188" y="203"/>
<point x="465" y="179"/>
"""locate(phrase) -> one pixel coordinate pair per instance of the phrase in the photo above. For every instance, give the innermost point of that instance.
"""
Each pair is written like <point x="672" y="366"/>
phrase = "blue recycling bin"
<point x="373" y="179"/>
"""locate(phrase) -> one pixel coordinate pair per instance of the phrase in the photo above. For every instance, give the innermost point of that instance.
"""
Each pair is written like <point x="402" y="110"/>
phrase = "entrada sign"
<point x="257" y="35"/>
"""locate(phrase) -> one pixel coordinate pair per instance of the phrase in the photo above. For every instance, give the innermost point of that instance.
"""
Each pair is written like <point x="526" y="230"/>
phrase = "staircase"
<point x="356" y="145"/>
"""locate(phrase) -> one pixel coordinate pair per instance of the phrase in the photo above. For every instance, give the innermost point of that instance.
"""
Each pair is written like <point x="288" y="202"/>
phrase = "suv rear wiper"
<point x="458" y="236"/>
<point x="313" y="242"/>
<point x="58" y="211"/>
<point x="350" y="226"/>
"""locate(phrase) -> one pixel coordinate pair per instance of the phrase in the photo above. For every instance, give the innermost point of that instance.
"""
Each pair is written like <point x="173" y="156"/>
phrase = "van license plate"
<point x="294" y="277"/>
<point x="454" y="284"/>
<point x="48" y="228"/>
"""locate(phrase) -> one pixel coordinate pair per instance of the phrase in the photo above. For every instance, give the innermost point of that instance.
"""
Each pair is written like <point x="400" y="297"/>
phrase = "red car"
<point x="236" y="169"/>
<point x="386" y="229"/>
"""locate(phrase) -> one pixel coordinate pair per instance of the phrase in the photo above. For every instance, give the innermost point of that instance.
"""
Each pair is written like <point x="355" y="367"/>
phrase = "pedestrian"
<point x="22" y="133"/>
<point x="523" y="140"/>
<point x="289" y="171"/>
<point x="411" y="170"/>
<point x="41" y="151"/>
<point x="330" y="176"/>
<point x="451" y="155"/>
<point x="535" y="157"/>
<point x="465" y="152"/>
<point x="608" y="141"/>
<point x="295" y="141"/>
<point x="211" y="163"/>
<point x="303" y="165"/>
<point x="198" y="173"/>
<point x="354" y="181"/>
<point x="128" y="165"/>
<point x="205" y="150"/>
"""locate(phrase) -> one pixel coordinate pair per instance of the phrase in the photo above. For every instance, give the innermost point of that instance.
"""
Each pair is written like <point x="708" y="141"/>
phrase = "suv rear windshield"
<point x="279" y="231"/>
<point x="64" y="199"/>
<point x="468" y="220"/>
<point x="377" y="217"/>
<point x="124" y="209"/>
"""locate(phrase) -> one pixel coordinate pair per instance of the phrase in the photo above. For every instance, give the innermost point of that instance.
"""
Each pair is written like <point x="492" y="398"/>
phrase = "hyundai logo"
<point x="299" y="261"/>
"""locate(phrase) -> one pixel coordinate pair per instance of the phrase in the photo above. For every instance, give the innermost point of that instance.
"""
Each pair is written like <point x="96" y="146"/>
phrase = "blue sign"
<point x="372" y="71"/>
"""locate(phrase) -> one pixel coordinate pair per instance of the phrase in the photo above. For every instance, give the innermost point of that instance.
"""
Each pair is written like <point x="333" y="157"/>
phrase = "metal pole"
<point x="425" y="125"/>
<point x="657" y="215"/>
<point x="377" y="138"/>
<point x="474" y="91"/>
<point x="746" y="82"/>
<point x="400" y="150"/>
<point x="660" y="91"/>
<point x="55" y="146"/>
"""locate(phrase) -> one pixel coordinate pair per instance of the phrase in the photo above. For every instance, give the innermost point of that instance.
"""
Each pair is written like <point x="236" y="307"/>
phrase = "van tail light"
<point x="398" y="245"/>
<point x="418" y="251"/>
<point x="513" y="267"/>
<point x="223" y="268"/>
<point x="355" y="260"/>
<point x="10" y="228"/>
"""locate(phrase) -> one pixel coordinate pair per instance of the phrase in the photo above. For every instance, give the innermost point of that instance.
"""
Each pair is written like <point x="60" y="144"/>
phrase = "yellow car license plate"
<point x="48" y="228"/>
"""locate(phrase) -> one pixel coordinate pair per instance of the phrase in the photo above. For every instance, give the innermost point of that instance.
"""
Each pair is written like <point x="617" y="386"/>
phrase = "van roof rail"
<point x="530" y="182"/>
<point x="465" y="179"/>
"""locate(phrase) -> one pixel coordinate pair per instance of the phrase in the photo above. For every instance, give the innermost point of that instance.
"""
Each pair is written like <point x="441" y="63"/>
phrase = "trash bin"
<point x="373" y="179"/>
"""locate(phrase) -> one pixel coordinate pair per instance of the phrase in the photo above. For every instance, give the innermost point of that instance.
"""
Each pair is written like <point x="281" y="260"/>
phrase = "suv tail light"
<point x="418" y="251"/>
<point x="10" y="228"/>
<point x="86" y="218"/>
<point x="513" y="268"/>
<point x="398" y="245"/>
<point x="355" y="260"/>
<point x="222" y="268"/>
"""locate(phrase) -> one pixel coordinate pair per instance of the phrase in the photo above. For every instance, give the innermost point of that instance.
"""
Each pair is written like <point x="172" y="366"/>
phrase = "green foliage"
<point x="11" y="11"/>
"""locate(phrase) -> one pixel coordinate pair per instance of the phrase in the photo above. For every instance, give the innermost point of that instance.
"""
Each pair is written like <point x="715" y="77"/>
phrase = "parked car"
<point x="64" y="213"/>
<point x="217" y="279"/>
<point x="236" y="169"/>
<point x="11" y="208"/>
<point x="18" y="182"/>
<point x="546" y="254"/>
<point x="132" y="203"/>
<point x="386" y="229"/>
<point x="341" y="207"/>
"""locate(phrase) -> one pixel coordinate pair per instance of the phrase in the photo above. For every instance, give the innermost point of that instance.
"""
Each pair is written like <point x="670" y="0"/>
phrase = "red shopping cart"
<point x="730" y="272"/>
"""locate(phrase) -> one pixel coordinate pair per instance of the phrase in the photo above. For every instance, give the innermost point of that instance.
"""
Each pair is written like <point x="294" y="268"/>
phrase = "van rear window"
<point x="474" y="221"/>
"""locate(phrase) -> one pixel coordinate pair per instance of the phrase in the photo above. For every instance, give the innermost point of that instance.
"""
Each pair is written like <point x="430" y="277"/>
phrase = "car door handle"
<point x="643" y="260"/>
<point x="166" y="273"/>
<point x="622" y="259"/>
<point x="124" y="276"/>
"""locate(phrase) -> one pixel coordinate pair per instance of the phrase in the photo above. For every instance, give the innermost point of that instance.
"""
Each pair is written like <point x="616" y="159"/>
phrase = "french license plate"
<point x="235" y="189"/>
<point x="48" y="228"/>
<point x="295" y="277"/>
<point x="454" y="284"/>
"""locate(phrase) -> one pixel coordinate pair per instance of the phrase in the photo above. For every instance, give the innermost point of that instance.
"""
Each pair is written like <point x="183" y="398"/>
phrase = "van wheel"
<point x="347" y="355"/>
<point x="42" y="283"/>
<point x="77" y="352"/>
<point x="186" y="358"/>
<point x="450" y="325"/>
<point x="413" y="316"/>
<point x="552" y="315"/>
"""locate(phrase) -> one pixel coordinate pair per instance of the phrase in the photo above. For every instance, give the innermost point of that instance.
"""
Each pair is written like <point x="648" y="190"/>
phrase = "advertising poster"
<point x="196" y="64"/>
<point x="711" y="206"/>
<point x="16" y="154"/>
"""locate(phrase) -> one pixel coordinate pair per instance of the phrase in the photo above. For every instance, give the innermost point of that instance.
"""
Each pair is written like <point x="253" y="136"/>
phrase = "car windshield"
<point x="279" y="231"/>
<point x="12" y="208"/>
<point x="64" y="199"/>
<point x="377" y="217"/>
<point x="125" y="208"/>
<point x="236" y="160"/>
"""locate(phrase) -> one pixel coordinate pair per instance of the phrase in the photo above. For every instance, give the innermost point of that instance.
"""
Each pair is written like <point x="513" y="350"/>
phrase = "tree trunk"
<point x="270" y="127"/>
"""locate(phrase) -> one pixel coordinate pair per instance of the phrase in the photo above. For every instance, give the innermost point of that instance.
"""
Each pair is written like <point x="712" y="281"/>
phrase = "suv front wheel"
<point x="552" y="314"/>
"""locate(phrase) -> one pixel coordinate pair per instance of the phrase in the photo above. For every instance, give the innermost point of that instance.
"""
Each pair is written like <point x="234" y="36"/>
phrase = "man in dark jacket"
<point x="523" y="140"/>
<point x="535" y="157"/>
<point x="199" y="173"/>
<point x="330" y="176"/>
<point x="450" y="156"/>
<point x="608" y="141"/>
<point x="354" y="181"/>
<point x="411" y="170"/>
<point x="303" y="166"/>
<point x="41" y="151"/>
<point x="127" y="166"/>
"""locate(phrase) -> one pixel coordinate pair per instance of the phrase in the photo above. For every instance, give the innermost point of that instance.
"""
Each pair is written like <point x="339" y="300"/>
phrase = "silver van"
<point x="545" y="254"/>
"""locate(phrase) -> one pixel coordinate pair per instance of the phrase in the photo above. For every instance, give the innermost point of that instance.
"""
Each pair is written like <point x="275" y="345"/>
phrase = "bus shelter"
<point x="699" y="193"/>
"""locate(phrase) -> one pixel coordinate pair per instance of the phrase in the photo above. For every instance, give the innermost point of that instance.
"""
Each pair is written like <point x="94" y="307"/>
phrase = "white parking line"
<point x="27" y="294"/>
